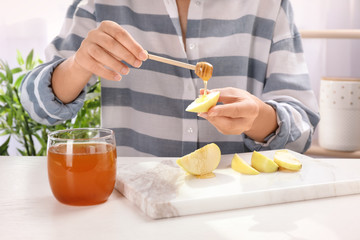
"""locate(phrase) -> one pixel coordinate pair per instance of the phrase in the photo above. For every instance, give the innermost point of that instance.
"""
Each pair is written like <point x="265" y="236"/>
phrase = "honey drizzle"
<point x="204" y="70"/>
<point x="205" y="88"/>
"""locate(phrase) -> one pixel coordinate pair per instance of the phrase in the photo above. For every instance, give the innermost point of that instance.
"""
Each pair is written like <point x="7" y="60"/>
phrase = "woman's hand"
<point x="103" y="50"/>
<point x="102" y="53"/>
<point x="242" y="112"/>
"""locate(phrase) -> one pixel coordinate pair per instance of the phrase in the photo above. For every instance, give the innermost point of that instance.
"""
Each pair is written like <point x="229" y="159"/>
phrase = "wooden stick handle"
<point x="334" y="33"/>
<point x="171" y="62"/>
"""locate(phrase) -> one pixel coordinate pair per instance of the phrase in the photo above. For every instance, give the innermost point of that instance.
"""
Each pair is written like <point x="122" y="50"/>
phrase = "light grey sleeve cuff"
<point x="279" y="138"/>
<point x="39" y="100"/>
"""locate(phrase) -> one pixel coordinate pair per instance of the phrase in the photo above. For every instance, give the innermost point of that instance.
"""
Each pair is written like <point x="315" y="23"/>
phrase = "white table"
<point x="29" y="211"/>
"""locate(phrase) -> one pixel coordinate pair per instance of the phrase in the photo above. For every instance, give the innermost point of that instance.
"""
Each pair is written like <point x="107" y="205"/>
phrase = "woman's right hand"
<point x="103" y="53"/>
<point x="105" y="48"/>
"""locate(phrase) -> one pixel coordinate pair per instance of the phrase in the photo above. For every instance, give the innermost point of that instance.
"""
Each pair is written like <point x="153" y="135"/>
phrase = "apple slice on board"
<point x="241" y="166"/>
<point x="202" y="161"/>
<point x="287" y="161"/>
<point x="262" y="163"/>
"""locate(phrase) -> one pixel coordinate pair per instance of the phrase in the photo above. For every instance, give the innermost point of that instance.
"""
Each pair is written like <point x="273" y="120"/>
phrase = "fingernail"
<point x="125" y="71"/>
<point x="117" y="77"/>
<point x="143" y="55"/>
<point x="137" y="63"/>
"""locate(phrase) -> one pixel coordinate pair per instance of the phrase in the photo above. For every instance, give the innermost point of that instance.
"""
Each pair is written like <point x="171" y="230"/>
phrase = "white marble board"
<point x="161" y="189"/>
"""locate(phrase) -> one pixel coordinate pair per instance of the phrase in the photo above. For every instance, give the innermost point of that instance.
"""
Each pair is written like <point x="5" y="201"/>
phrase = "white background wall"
<point x="32" y="24"/>
<point x="29" y="24"/>
<point x="331" y="57"/>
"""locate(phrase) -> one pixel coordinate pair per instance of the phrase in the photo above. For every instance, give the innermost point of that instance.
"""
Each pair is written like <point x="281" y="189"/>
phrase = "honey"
<point x="205" y="176"/>
<point x="82" y="173"/>
<point x="204" y="71"/>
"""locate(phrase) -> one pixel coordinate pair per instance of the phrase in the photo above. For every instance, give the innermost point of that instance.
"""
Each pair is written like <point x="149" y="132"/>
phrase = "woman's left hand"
<point x="242" y="112"/>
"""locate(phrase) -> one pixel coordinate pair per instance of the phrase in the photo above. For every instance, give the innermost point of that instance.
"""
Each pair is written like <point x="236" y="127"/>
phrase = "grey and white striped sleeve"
<point x="37" y="95"/>
<point x="287" y="89"/>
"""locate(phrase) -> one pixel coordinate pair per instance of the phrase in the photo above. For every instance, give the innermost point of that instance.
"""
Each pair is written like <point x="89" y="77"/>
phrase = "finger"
<point x="116" y="49"/>
<point x="124" y="38"/>
<point x="104" y="58"/>
<point x="227" y="90"/>
<point x="229" y="126"/>
<point x="226" y="99"/>
<point x="231" y="110"/>
<point x="230" y="95"/>
<point x="90" y="64"/>
<point x="202" y="90"/>
<point x="99" y="70"/>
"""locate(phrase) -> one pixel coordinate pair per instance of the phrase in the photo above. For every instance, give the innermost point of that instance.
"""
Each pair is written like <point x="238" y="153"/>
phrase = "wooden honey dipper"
<point x="203" y="70"/>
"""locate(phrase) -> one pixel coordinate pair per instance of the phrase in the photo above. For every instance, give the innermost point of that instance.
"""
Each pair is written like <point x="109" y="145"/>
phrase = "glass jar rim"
<point x="53" y="134"/>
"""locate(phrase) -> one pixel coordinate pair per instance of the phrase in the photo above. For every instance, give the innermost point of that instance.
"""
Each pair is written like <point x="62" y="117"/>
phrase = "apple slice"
<point x="202" y="161"/>
<point x="241" y="166"/>
<point x="204" y="103"/>
<point x="262" y="163"/>
<point x="287" y="161"/>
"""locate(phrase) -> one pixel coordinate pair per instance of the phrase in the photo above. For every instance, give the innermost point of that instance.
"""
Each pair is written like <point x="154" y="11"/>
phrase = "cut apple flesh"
<point x="262" y="163"/>
<point x="202" y="161"/>
<point x="241" y="166"/>
<point x="204" y="102"/>
<point x="287" y="161"/>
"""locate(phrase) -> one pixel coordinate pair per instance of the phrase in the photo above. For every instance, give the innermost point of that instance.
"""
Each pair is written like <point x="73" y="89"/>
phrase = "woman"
<point x="254" y="47"/>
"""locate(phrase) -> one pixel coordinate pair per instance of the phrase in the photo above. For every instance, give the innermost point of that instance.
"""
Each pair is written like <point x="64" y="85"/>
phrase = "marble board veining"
<point x="161" y="189"/>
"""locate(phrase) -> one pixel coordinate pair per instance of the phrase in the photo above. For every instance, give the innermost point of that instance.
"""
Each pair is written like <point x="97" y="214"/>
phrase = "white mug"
<point x="339" y="127"/>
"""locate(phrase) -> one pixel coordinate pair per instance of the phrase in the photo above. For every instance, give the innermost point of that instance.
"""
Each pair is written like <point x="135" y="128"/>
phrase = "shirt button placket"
<point x="190" y="130"/>
<point x="190" y="126"/>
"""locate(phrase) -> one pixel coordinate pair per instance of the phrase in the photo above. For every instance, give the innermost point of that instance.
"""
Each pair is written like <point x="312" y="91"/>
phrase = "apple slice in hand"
<point x="241" y="166"/>
<point x="262" y="163"/>
<point x="204" y="102"/>
<point x="202" y="161"/>
<point x="287" y="161"/>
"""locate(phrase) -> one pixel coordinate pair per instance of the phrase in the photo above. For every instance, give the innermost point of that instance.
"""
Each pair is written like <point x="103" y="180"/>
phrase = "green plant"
<point x="15" y="121"/>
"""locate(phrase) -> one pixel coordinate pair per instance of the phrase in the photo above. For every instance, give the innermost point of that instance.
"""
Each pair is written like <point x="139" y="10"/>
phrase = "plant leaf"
<point x="19" y="58"/>
<point x="41" y="140"/>
<point x="16" y="70"/>
<point x="4" y="147"/>
<point x="2" y="76"/>
<point x="29" y="60"/>
<point x="23" y="153"/>
<point x="9" y="75"/>
<point x="38" y="60"/>
<point x="19" y="80"/>
<point x="2" y="99"/>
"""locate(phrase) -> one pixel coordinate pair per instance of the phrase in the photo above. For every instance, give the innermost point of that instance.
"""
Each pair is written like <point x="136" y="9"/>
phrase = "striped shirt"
<point x="252" y="44"/>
